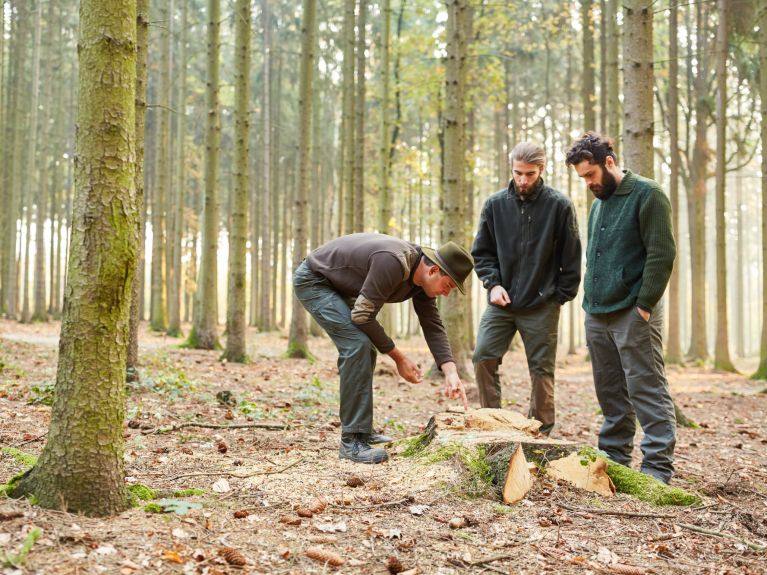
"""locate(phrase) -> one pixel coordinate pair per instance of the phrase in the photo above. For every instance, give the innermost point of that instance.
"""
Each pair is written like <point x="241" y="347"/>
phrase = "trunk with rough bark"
<point x="81" y="468"/>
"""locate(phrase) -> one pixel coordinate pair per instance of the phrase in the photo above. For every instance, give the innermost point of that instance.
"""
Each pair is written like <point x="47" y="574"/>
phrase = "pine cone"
<point x="241" y="514"/>
<point x="303" y="512"/>
<point x="354" y="481"/>
<point x="318" y="505"/>
<point x="394" y="566"/>
<point x="325" y="556"/>
<point x="232" y="556"/>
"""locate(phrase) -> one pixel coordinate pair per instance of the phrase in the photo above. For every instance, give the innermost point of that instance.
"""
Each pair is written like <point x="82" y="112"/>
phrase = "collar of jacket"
<point x="512" y="191"/>
<point x="627" y="183"/>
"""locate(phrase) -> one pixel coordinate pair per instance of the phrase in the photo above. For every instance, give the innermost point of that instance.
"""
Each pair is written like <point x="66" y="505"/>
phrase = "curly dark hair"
<point x="591" y="147"/>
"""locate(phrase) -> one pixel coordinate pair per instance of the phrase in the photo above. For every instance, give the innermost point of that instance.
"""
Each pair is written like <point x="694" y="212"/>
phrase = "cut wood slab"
<point x="518" y="479"/>
<point x="583" y="473"/>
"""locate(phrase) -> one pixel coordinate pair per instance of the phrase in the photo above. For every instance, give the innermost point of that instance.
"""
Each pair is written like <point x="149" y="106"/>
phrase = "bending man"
<point x="343" y="285"/>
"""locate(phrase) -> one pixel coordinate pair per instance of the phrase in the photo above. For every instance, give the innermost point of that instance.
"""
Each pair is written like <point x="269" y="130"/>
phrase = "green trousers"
<point x="539" y="329"/>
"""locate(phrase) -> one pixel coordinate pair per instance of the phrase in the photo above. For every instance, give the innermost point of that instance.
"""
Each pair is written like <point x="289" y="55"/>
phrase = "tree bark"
<point x="142" y="53"/>
<point x="297" y="339"/>
<point x="454" y="170"/>
<point x="235" y="311"/>
<point x="722" y="341"/>
<point x="204" y="333"/>
<point x="673" y="339"/>
<point x="761" y="371"/>
<point x="175" y="280"/>
<point x="637" y="86"/>
<point x="81" y="468"/>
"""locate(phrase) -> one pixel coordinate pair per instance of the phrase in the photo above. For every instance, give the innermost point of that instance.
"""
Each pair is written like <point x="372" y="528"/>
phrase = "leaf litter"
<point x="404" y="516"/>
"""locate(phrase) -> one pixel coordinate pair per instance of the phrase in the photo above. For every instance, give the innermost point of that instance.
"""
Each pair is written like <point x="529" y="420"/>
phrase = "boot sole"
<point x="366" y="461"/>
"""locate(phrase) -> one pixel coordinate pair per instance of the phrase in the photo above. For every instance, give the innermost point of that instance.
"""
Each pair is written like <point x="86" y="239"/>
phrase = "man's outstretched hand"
<point x="453" y="385"/>
<point x="408" y="370"/>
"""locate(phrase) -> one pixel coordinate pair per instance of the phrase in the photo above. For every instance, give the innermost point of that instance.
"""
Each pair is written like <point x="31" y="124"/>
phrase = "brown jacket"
<point x="375" y="269"/>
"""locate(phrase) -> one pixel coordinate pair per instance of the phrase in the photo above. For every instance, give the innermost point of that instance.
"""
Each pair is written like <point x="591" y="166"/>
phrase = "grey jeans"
<point x="538" y="328"/>
<point x="356" y="354"/>
<point x="630" y="381"/>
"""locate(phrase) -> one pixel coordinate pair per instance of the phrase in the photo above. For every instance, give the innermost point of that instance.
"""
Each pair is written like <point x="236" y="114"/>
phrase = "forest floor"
<point x="251" y="480"/>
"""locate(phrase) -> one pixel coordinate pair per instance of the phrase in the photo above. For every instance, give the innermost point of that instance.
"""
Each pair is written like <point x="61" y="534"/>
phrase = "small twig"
<point x="373" y="505"/>
<point x="215" y="426"/>
<point x="697" y="529"/>
<point x="31" y="440"/>
<point x="491" y="559"/>
<point x="618" y="513"/>
<point x="235" y="475"/>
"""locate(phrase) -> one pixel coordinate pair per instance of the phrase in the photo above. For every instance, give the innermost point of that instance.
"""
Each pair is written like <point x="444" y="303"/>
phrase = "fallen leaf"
<point x="418" y="509"/>
<point x="221" y="486"/>
<point x="331" y="527"/>
<point x="179" y="533"/>
<point x="106" y="550"/>
<point x="172" y="556"/>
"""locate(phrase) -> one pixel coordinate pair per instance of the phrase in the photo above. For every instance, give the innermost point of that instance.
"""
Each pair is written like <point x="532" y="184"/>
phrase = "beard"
<point x="604" y="189"/>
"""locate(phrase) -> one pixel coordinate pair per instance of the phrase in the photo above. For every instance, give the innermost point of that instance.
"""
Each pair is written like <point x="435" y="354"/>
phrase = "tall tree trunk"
<point x="31" y="171"/>
<point x="204" y="331"/>
<point x="235" y="310"/>
<point x="40" y="311"/>
<point x="81" y="468"/>
<point x="279" y="201"/>
<point x="161" y="189"/>
<point x="612" y="72"/>
<point x="454" y="169"/>
<point x="637" y="86"/>
<point x="175" y="280"/>
<point x="673" y="339"/>
<point x="696" y="201"/>
<point x="265" y="316"/>
<point x="722" y="341"/>
<point x="384" y="207"/>
<point x="359" y="122"/>
<point x="142" y="54"/>
<point x="588" y="83"/>
<point x="347" y="140"/>
<point x="15" y="144"/>
<point x="761" y="371"/>
<point x="297" y="339"/>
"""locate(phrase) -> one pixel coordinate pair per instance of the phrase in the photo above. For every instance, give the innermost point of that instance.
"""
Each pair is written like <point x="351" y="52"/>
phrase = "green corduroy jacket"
<point x="631" y="247"/>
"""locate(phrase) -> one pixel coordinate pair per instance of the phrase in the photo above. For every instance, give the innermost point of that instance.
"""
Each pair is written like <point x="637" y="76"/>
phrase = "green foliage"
<point x="252" y="409"/>
<point x="18" y="559"/>
<point x="42" y="394"/>
<point x="177" y="506"/>
<point x="315" y="393"/>
<point x="414" y="445"/>
<point x="140" y="492"/>
<point x="171" y="382"/>
<point x="299" y="351"/>
<point x="20" y="457"/>
<point x="191" y="492"/>
<point x="641" y="485"/>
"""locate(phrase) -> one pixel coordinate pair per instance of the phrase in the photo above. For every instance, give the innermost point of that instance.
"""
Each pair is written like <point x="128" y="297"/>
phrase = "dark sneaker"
<point x="355" y="448"/>
<point x="373" y="438"/>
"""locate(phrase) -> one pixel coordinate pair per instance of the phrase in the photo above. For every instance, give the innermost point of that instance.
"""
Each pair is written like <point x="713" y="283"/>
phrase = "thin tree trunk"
<point x="696" y="200"/>
<point x="348" y="105"/>
<point x="204" y="331"/>
<point x="612" y="72"/>
<point x="31" y="172"/>
<point x="588" y="84"/>
<point x="761" y="371"/>
<point x="235" y="311"/>
<point x="359" y="122"/>
<point x="722" y="342"/>
<point x="454" y="169"/>
<point x="673" y="339"/>
<point x="385" y="208"/>
<point x="142" y="54"/>
<point x="637" y="86"/>
<point x="175" y="280"/>
<point x="161" y="189"/>
<point x="297" y="339"/>
<point x="266" y="313"/>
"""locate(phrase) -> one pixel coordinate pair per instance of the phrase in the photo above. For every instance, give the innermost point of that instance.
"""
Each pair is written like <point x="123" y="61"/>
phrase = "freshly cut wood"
<point x="518" y="479"/>
<point x="489" y="419"/>
<point x="583" y="473"/>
